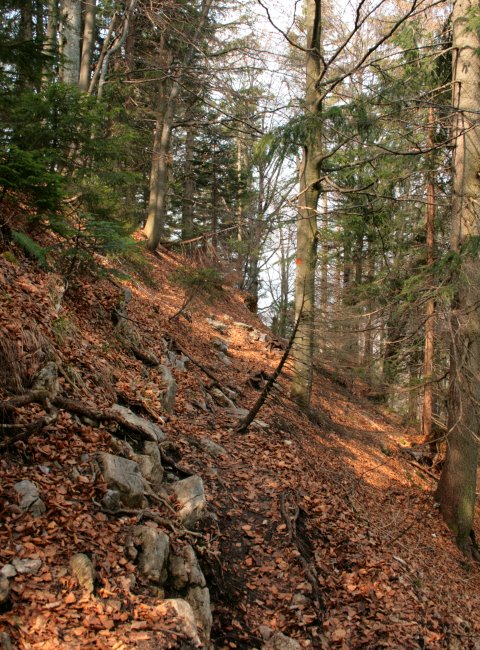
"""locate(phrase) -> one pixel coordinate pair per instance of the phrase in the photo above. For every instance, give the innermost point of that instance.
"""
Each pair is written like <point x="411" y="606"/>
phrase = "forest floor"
<point x="327" y="532"/>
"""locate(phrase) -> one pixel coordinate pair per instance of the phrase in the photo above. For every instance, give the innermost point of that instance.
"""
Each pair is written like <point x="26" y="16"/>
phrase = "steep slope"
<point x="325" y="531"/>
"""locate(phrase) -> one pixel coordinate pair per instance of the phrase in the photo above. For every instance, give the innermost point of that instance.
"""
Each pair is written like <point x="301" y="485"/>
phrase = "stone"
<point x="177" y="361"/>
<point x="124" y="476"/>
<point x="154" y="550"/>
<point x="217" y="325"/>
<point x="221" y="398"/>
<point x="212" y="448"/>
<point x="279" y="641"/>
<point x="243" y="326"/>
<point x="265" y="632"/>
<point x="184" y="569"/>
<point x="151" y="449"/>
<point x="29" y="498"/>
<point x="190" y="496"/>
<point x="145" y="427"/>
<point x="9" y="571"/>
<point x="27" y="566"/>
<point x="220" y="344"/>
<point x="169" y="393"/>
<point x="82" y="570"/>
<point x="179" y="609"/>
<point x="199" y="599"/>
<point x="224" y="359"/>
<point x="4" y="589"/>
<point x="5" y="641"/>
<point x="122" y="448"/>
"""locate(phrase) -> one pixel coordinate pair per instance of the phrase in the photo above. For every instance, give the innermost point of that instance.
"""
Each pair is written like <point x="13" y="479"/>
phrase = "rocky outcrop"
<point x="123" y="476"/>
<point x="144" y="428"/>
<point x="153" y="547"/>
<point x="190" y="496"/>
<point x="279" y="641"/>
<point x="29" y="496"/>
<point x="169" y="392"/>
<point x="182" y="613"/>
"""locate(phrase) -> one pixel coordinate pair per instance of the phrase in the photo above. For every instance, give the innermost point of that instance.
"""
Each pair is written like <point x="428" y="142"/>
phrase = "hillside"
<point x="326" y="532"/>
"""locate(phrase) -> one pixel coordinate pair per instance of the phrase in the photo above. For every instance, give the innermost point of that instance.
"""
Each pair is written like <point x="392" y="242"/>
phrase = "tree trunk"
<point x="456" y="488"/>
<point x="50" y="42"/>
<point x="87" y="44"/>
<point x="26" y="36"/>
<point x="188" y="186"/>
<point x="72" y="21"/>
<point x="307" y="235"/>
<point x="430" y="310"/>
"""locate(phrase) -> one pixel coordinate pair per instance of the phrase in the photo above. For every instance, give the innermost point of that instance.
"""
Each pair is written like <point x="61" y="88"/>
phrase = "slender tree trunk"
<point x="50" y="42"/>
<point x="188" y="185"/>
<point x="26" y="36"/>
<point x="87" y="44"/>
<point x="368" y="351"/>
<point x="430" y="309"/>
<point x="72" y="21"/>
<point x="307" y="235"/>
<point x="457" y="485"/>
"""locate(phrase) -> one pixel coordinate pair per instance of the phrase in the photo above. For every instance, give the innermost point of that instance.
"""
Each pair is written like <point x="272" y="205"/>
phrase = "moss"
<point x="10" y="257"/>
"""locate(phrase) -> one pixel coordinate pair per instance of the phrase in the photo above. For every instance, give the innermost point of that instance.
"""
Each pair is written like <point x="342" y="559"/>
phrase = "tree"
<point x="457" y="486"/>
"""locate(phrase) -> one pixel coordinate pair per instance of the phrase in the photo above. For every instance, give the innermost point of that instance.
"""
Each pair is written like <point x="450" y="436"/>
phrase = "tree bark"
<point x="72" y="21"/>
<point x="307" y="235"/>
<point x="457" y="485"/>
<point x="87" y="44"/>
<point x="188" y="186"/>
<point x="50" y="42"/>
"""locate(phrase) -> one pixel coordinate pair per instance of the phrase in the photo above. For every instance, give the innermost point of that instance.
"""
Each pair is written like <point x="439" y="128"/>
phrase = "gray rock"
<point x="122" y="448"/>
<point x="184" y="570"/>
<point x="154" y="550"/>
<point x="29" y="498"/>
<point x="145" y="427"/>
<point x="217" y="325"/>
<point x="199" y="599"/>
<point x="112" y="500"/>
<point x="169" y="393"/>
<point x="124" y="476"/>
<point x="243" y="326"/>
<point x="190" y="495"/>
<point x="9" y="571"/>
<point x="212" y="448"/>
<point x="82" y="570"/>
<point x="183" y="613"/>
<point x="4" y="589"/>
<point x="280" y="641"/>
<point x="238" y="412"/>
<point x="5" y="641"/>
<point x="220" y="344"/>
<point x="151" y="449"/>
<point x="27" y="566"/>
<point x="265" y="632"/>
<point x="177" y="361"/>
<point x="224" y="359"/>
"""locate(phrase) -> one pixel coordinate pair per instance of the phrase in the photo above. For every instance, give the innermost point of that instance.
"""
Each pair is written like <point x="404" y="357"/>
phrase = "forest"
<point x="239" y="324"/>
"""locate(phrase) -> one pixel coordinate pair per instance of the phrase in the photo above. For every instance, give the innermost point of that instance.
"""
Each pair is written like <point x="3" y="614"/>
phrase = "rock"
<point x="5" y="641"/>
<point x="190" y="495"/>
<point x="224" y="359"/>
<point x="281" y="642"/>
<point x="9" y="571"/>
<point x="181" y="610"/>
<point x="169" y="393"/>
<point x="124" y="476"/>
<point x="82" y="569"/>
<point x="122" y="448"/>
<point x="220" y="344"/>
<point x="184" y="570"/>
<point x="221" y="398"/>
<point x="153" y="556"/>
<point x="256" y="335"/>
<point x="27" y="566"/>
<point x="112" y="500"/>
<point x="4" y="590"/>
<point x="299" y="600"/>
<point x="145" y="427"/>
<point x="217" y="325"/>
<point x="238" y="412"/>
<point x="29" y="498"/>
<point x="177" y="361"/>
<point x="212" y="448"/>
<point x="199" y="599"/>
<point x="151" y="449"/>
<point x="243" y="326"/>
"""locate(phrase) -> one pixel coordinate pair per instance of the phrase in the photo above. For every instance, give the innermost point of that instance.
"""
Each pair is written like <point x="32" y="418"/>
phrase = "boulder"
<point x="224" y="359"/>
<point x="279" y="641"/>
<point x="123" y="476"/>
<point x="217" y="325"/>
<point x="29" y="498"/>
<point x="221" y="398"/>
<point x="82" y="570"/>
<point x="180" y="610"/>
<point x="4" y="590"/>
<point x="151" y="449"/>
<point x="190" y="496"/>
<point x="212" y="448"/>
<point x="146" y="428"/>
<point x="169" y="393"/>
<point x="112" y="500"/>
<point x="184" y="569"/>
<point x="154" y="548"/>
<point x="8" y="570"/>
<point x="243" y="326"/>
<point x="27" y="566"/>
<point x="220" y="344"/>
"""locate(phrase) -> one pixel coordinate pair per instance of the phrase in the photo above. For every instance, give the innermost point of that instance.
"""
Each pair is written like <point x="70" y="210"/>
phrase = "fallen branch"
<point x="33" y="396"/>
<point x="26" y="430"/>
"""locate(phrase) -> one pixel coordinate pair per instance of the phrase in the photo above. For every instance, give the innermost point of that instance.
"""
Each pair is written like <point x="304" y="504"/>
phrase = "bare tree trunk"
<point x="307" y="235"/>
<point x="457" y="485"/>
<point x="188" y="186"/>
<point x="430" y="310"/>
<point x="72" y="21"/>
<point x="50" y="42"/>
<point x="87" y="44"/>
